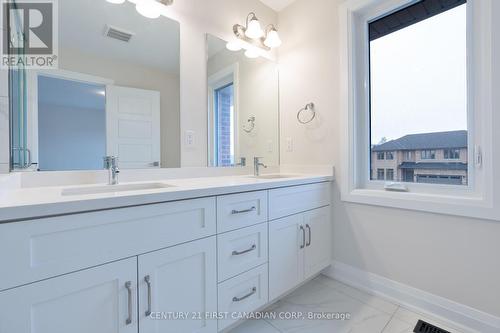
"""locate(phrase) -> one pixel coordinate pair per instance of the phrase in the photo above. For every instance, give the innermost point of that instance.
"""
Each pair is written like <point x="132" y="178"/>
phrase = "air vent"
<point x="115" y="33"/>
<point x="423" y="327"/>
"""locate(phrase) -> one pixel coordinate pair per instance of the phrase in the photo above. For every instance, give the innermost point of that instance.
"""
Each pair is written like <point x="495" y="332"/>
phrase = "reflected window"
<point x="224" y="125"/>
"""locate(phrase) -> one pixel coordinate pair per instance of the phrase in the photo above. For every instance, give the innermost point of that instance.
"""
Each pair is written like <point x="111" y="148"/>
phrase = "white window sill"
<point x="466" y="206"/>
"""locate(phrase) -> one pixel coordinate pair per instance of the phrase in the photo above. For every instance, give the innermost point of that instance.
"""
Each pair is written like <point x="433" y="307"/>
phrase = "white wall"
<point x="134" y="76"/>
<point x="456" y="258"/>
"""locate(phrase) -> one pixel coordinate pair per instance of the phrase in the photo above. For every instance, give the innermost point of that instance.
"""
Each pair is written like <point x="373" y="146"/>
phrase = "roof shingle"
<point x="438" y="140"/>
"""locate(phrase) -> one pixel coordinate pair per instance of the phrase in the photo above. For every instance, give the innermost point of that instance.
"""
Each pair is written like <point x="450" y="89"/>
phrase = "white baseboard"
<point x="415" y="299"/>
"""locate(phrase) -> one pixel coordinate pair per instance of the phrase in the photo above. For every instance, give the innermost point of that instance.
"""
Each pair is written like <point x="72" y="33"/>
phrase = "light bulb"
<point x="272" y="39"/>
<point x="117" y="2"/>
<point x="233" y="46"/>
<point x="148" y="8"/>
<point x="251" y="53"/>
<point x="254" y="29"/>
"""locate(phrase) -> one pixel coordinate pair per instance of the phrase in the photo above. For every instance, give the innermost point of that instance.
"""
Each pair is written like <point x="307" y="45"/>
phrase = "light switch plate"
<point x="189" y="139"/>
<point x="289" y="145"/>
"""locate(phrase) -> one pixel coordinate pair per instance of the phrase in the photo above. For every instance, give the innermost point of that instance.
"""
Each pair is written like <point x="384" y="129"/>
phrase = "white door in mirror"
<point x="133" y="127"/>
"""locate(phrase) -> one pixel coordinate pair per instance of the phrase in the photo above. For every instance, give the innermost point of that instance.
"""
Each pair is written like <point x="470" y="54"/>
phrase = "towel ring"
<point x="308" y="107"/>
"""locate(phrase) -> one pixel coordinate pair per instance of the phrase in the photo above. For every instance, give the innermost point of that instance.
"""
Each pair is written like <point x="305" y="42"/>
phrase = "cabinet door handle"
<point x="235" y="212"/>
<point x="148" y="282"/>
<point x="303" y="237"/>
<point x="236" y="253"/>
<point x="239" y="299"/>
<point x="309" y="230"/>
<point x="128" y="285"/>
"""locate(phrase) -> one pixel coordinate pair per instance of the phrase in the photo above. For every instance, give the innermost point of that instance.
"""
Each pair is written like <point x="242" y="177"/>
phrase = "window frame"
<point x="428" y="154"/>
<point x="447" y="151"/>
<point x="473" y="199"/>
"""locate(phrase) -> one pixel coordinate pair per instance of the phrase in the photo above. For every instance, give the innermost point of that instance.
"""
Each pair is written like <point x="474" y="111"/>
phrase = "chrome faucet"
<point x="256" y="166"/>
<point x="243" y="162"/>
<point x="111" y="164"/>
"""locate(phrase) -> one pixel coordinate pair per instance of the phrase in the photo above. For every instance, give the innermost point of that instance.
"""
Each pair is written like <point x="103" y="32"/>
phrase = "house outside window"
<point x="389" y="155"/>
<point x="381" y="174"/>
<point x="380" y="156"/>
<point x="452" y="154"/>
<point x="390" y="174"/>
<point x="428" y="154"/>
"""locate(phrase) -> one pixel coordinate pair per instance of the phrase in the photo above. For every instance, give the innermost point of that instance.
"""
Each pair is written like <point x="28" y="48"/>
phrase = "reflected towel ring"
<point x="308" y="107"/>
<point x="251" y="121"/>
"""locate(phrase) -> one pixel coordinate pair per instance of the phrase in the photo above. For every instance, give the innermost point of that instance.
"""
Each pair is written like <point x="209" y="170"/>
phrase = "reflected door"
<point x="133" y="127"/>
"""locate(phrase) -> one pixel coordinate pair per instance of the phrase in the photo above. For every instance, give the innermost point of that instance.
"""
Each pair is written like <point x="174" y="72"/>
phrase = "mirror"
<point x="115" y="92"/>
<point x="243" y="107"/>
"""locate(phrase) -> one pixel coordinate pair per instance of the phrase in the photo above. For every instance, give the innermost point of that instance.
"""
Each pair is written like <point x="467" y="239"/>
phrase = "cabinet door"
<point x="178" y="281"/>
<point x="286" y="255"/>
<point x="318" y="251"/>
<point x="95" y="300"/>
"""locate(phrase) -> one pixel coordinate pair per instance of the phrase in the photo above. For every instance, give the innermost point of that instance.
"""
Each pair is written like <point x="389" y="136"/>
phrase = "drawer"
<point x="241" y="210"/>
<point x="244" y="293"/>
<point x="292" y="200"/>
<point x="241" y="250"/>
<point x="43" y="248"/>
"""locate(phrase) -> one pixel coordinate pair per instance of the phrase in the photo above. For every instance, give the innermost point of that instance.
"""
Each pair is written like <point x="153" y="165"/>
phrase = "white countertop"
<point x="27" y="203"/>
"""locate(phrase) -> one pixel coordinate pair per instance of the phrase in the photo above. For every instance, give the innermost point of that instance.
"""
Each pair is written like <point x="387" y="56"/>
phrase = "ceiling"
<point x="155" y="42"/>
<point x="277" y="5"/>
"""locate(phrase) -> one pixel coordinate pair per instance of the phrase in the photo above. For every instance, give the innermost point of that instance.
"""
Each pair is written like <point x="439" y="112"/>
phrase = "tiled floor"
<point x="368" y="314"/>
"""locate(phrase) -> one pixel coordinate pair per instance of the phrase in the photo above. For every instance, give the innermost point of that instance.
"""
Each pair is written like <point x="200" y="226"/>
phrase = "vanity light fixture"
<point x="253" y="35"/>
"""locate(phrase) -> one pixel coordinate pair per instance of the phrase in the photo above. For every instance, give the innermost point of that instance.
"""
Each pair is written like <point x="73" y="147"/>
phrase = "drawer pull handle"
<point x="235" y="212"/>
<point x="236" y="253"/>
<point x="309" y="230"/>
<point x="303" y="237"/>
<point x="128" y="285"/>
<point x="239" y="299"/>
<point x="148" y="282"/>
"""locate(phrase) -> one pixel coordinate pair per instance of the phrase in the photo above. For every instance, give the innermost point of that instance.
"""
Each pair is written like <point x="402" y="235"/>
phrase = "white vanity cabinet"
<point x="178" y="280"/>
<point x="98" y="300"/>
<point x="162" y="267"/>
<point x="299" y="248"/>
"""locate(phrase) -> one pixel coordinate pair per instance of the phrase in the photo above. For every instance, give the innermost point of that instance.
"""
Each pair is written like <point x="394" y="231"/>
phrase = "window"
<point x="224" y="125"/>
<point x="452" y="154"/>
<point x="428" y="154"/>
<point x="414" y="103"/>
<point x="395" y="116"/>
<point x="380" y="174"/>
<point x="390" y="174"/>
<point x="408" y="156"/>
<point x="380" y="156"/>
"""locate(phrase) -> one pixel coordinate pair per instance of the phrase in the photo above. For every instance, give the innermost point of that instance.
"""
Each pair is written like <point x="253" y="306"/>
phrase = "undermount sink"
<point x="113" y="188"/>
<point x="274" y="176"/>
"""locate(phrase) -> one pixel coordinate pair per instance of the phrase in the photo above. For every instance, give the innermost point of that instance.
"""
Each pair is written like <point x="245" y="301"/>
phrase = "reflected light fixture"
<point x="253" y="35"/>
<point x="148" y="8"/>
<point x="252" y="53"/>
<point x="234" y="45"/>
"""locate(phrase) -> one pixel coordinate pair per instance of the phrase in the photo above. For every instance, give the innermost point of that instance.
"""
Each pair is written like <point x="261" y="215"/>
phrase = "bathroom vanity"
<point x="191" y="257"/>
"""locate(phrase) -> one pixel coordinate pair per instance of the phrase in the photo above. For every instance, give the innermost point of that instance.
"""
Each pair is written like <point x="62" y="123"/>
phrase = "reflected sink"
<point x="274" y="176"/>
<point x="113" y="188"/>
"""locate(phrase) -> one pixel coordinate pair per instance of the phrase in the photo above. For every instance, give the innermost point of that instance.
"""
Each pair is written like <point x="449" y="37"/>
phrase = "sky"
<point x="418" y="78"/>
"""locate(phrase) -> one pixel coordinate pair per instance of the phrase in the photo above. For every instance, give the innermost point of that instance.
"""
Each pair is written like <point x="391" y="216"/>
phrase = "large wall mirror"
<point x="116" y="93"/>
<point x="243" y="107"/>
